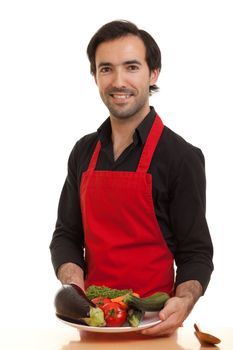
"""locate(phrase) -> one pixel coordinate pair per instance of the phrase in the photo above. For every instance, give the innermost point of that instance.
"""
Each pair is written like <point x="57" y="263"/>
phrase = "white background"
<point x="48" y="100"/>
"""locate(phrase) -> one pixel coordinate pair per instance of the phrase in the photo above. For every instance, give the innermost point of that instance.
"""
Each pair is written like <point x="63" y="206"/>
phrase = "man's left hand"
<point x="172" y="317"/>
<point x="176" y="309"/>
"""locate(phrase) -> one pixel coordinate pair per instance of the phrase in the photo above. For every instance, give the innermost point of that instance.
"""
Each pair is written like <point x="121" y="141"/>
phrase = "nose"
<point x="118" y="79"/>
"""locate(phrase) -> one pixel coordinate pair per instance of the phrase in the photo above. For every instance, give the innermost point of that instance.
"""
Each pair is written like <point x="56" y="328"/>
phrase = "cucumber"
<point x="154" y="302"/>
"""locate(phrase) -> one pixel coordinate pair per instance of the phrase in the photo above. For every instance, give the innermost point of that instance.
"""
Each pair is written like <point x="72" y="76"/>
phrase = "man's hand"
<point x="176" y="309"/>
<point x="172" y="317"/>
<point x="71" y="273"/>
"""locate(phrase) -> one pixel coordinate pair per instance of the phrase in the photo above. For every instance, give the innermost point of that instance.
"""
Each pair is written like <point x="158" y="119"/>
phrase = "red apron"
<point x="124" y="247"/>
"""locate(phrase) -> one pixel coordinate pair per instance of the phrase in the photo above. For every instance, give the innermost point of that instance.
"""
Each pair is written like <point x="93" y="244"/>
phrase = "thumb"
<point x="162" y="315"/>
<point x="165" y="312"/>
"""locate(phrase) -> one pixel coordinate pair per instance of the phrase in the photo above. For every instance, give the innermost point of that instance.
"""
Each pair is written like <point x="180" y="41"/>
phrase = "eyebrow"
<point x="108" y="64"/>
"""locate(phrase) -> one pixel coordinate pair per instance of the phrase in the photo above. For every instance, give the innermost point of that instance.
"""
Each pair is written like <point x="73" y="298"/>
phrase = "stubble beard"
<point x="122" y="111"/>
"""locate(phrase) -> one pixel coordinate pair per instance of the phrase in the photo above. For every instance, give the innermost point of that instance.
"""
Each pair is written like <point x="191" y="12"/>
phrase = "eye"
<point x="104" y="70"/>
<point x="133" y="67"/>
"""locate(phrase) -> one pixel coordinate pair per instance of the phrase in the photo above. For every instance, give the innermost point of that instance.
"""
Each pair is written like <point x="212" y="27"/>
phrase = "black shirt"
<point x="179" y="187"/>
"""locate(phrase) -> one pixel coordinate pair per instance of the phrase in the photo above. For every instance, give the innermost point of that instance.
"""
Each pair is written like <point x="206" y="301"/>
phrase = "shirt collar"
<point x="141" y="132"/>
<point x="144" y="127"/>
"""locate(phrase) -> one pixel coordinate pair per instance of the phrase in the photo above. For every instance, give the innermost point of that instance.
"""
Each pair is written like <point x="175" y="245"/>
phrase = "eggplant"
<point x="72" y="304"/>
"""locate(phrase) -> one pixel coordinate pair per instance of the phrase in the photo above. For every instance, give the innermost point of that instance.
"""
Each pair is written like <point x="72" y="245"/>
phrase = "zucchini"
<point x="154" y="302"/>
<point x="134" y="317"/>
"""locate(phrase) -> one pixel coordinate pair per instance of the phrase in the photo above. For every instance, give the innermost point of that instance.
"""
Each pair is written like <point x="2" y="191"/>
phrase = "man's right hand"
<point x="71" y="273"/>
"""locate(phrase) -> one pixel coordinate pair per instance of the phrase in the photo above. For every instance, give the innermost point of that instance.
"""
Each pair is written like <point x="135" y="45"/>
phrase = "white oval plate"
<point x="150" y="319"/>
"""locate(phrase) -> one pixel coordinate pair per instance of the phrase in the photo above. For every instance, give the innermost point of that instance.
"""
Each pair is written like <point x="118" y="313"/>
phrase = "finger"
<point x="158" y="333"/>
<point x="166" y="327"/>
<point x="163" y="328"/>
<point x="170" y="307"/>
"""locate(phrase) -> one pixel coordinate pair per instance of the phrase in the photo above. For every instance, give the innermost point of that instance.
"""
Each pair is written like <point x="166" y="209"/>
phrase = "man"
<point x="134" y="196"/>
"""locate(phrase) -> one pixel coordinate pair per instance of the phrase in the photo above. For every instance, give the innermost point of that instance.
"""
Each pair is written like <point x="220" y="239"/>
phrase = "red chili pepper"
<point x="114" y="314"/>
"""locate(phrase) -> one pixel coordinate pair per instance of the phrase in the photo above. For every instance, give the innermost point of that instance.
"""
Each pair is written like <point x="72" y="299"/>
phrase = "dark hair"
<point x="117" y="29"/>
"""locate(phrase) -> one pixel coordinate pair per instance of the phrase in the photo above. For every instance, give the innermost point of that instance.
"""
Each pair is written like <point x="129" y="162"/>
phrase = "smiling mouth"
<point x="121" y="96"/>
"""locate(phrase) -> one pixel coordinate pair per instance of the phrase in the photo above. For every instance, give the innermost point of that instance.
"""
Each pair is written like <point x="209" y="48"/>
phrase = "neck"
<point x="123" y="130"/>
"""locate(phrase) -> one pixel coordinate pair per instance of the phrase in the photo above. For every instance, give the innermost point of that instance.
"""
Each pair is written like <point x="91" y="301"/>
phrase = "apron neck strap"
<point x="94" y="157"/>
<point x="150" y="145"/>
<point x="148" y="150"/>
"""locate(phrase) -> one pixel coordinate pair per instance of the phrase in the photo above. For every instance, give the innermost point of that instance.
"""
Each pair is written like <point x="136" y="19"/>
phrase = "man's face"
<point x="123" y="76"/>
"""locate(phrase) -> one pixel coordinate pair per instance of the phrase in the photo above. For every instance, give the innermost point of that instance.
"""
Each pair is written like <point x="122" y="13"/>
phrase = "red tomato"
<point x="100" y="301"/>
<point x="114" y="314"/>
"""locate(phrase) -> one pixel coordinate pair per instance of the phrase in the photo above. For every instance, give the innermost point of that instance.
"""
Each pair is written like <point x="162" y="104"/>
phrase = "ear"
<point x="154" y="76"/>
